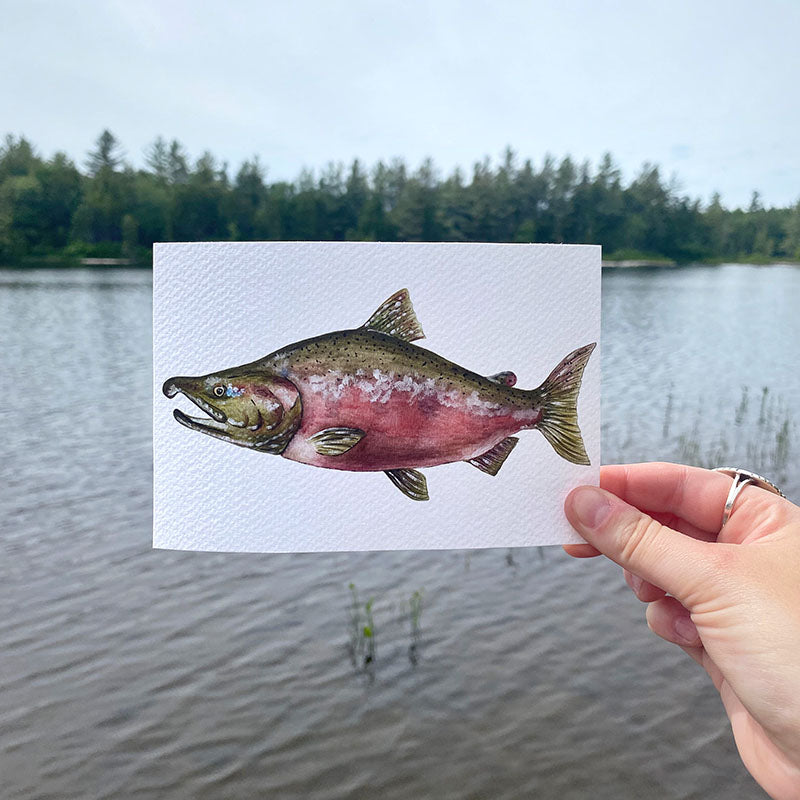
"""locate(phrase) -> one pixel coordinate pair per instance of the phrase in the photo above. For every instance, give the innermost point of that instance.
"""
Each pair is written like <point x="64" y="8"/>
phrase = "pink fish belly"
<point x="405" y="427"/>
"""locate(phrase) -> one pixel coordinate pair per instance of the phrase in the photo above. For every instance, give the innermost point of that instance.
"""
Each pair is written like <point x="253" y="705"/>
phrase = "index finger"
<point x="696" y="495"/>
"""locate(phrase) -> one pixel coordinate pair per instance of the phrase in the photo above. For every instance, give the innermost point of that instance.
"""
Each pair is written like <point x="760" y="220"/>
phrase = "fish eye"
<point x="219" y="391"/>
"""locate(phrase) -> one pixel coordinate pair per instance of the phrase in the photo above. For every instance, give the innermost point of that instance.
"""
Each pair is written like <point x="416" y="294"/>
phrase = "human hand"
<point x="730" y="598"/>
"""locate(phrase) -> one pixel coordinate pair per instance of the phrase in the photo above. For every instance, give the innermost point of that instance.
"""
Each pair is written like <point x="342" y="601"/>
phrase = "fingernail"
<point x="636" y="584"/>
<point x="591" y="506"/>
<point x="686" y="629"/>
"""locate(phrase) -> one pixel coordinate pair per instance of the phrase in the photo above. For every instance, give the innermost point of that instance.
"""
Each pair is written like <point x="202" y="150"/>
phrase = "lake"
<point x="492" y="674"/>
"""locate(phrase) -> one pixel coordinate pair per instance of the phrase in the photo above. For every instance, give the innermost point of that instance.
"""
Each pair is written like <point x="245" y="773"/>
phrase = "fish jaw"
<point x="261" y="412"/>
<point x="215" y="423"/>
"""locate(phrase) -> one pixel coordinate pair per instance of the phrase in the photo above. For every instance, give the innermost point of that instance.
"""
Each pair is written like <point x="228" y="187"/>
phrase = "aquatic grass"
<point x="667" y="417"/>
<point x="744" y="404"/>
<point x="758" y="432"/>
<point x="415" y="612"/>
<point x="415" y="615"/>
<point x="369" y="633"/>
<point x="510" y="558"/>
<point x="363" y="646"/>
<point x="763" y="443"/>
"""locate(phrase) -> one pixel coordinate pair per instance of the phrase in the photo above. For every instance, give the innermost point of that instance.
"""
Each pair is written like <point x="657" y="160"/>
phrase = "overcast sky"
<point x="708" y="90"/>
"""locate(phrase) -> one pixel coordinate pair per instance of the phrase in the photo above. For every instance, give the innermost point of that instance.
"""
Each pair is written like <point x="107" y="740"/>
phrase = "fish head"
<point x="246" y="408"/>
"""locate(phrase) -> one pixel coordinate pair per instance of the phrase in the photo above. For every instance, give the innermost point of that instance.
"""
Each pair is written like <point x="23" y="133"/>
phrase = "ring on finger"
<point x="742" y="478"/>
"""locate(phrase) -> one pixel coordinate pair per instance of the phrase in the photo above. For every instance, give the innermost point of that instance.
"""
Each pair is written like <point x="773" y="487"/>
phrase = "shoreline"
<point x="667" y="264"/>
<point x="632" y="263"/>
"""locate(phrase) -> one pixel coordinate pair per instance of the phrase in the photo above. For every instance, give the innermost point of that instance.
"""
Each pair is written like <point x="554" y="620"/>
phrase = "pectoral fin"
<point x="491" y="461"/>
<point x="410" y="482"/>
<point x="336" y="441"/>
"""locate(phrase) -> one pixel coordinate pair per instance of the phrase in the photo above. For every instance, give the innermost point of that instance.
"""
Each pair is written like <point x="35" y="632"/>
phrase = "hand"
<point x="730" y="598"/>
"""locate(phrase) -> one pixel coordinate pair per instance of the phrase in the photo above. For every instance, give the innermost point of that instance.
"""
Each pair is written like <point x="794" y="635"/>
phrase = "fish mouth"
<point x="215" y="424"/>
<point x="244" y="423"/>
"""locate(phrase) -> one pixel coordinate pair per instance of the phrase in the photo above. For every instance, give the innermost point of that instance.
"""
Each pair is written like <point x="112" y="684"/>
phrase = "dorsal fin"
<point x="503" y="378"/>
<point x="396" y="317"/>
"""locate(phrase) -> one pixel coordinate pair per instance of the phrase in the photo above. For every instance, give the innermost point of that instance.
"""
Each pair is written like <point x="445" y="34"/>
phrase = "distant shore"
<point x="635" y="262"/>
<point x="639" y="262"/>
<point x="110" y="214"/>
<point x="53" y="262"/>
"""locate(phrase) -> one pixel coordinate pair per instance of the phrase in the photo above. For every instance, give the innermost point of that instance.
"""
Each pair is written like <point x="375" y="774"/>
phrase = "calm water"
<point x="132" y="673"/>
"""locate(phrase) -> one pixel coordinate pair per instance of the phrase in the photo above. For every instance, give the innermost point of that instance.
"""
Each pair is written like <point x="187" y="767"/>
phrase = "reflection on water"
<point x="502" y="674"/>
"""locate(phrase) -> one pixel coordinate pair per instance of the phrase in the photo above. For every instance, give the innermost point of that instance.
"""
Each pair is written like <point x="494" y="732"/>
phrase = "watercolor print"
<point x="367" y="399"/>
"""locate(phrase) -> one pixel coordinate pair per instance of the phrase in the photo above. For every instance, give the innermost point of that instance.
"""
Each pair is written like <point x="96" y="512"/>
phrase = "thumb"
<point x="677" y="563"/>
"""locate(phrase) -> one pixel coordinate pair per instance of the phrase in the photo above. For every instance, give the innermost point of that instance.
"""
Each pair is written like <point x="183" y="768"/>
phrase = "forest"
<point x="52" y="210"/>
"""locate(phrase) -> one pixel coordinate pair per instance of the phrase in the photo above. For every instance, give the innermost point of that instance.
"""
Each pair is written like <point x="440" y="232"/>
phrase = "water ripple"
<point x="134" y="673"/>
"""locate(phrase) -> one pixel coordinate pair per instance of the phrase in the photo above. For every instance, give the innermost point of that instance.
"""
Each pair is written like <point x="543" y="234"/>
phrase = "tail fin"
<point x="559" y="397"/>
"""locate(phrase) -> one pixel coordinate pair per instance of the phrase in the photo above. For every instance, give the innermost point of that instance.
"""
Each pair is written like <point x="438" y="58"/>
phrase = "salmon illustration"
<point x="367" y="399"/>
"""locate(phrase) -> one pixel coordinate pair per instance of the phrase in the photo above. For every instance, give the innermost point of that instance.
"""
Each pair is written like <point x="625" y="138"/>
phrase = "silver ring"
<point x="742" y="478"/>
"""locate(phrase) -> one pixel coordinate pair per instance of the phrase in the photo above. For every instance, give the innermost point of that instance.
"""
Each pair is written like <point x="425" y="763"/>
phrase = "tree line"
<point x="49" y="208"/>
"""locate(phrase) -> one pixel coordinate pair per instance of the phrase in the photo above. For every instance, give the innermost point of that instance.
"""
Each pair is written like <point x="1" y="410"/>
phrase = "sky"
<point x="709" y="91"/>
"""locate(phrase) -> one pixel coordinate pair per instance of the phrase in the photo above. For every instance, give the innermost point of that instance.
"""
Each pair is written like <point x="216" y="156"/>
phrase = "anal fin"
<point x="336" y="441"/>
<point x="410" y="482"/>
<point x="491" y="461"/>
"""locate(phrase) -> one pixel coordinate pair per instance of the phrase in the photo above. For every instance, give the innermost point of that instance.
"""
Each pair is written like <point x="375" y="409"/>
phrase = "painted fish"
<point x="368" y="400"/>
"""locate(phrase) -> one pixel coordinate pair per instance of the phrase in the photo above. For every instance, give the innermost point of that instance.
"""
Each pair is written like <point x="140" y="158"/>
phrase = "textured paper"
<point x="485" y="307"/>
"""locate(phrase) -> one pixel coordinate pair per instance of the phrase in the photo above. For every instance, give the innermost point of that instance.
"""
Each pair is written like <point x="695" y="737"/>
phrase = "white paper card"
<point x="485" y="308"/>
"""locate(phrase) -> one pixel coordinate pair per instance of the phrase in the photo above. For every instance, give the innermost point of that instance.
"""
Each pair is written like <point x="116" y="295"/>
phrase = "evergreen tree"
<point x="61" y="194"/>
<point x="49" y="206"/>
<point x="17" y="157"/>
<point x="107" y="155"/>
<point x="792" y="233"/>
<point x="248" y="199"/>
<point x="157" y="157"/>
